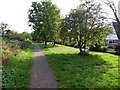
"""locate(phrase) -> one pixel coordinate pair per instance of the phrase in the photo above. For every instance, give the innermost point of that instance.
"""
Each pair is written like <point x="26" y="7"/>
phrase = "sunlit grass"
<point x="16" y="73"/>
<point x="97" y="70"/>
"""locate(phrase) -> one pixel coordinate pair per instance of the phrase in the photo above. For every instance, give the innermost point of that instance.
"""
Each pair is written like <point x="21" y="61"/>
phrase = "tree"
<point x="86" y="25"/>
<point x="44" y="17"/>
<point x="3" y="28"/>
<point x="6" y="32"/>
<point x="13" y="35"/>
<point x="63" y="31"/>
<point x="25" y="36"/>
<point x="112" y="6"/>
<point x="35" y="36"/>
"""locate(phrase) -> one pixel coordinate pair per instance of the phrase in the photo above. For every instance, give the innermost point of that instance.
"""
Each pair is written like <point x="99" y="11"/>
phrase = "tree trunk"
<point x="54" y="43"/>
<point x="82" y="53"/>
<point x="79" y="43"/>
<point x="80" y="48"/>
<point x="45" y="41"/>
<point x="64" y="42"/>
<point x="45" y="44"/>
<point x="85" y="44"/>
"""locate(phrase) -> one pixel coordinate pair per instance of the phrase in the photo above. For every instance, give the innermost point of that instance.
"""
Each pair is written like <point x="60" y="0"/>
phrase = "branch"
<point x="113" y="8"/>
<point x="111" y="18"/>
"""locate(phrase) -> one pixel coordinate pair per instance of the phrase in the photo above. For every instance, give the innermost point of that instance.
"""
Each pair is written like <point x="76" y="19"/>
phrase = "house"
<point x="113" y="39"/>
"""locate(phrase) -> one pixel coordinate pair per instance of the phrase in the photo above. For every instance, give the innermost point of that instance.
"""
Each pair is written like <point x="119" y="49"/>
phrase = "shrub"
<point x="104" y="48"/>
<point x="9" y="49"/>
<point x="25" y="44"/>
<point x="98" y="48"/>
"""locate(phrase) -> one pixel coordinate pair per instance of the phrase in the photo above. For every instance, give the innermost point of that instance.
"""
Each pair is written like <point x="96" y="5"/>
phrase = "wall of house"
<point x="111" y="43"/>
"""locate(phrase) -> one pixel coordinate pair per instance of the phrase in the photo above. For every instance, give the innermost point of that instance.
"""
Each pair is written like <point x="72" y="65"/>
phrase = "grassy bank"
<point x="96" y="70"/>
<point x="16" y="73"/>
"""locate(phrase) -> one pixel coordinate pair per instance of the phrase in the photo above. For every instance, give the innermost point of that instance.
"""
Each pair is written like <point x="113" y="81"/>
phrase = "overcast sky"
<point x="14" y="12"/>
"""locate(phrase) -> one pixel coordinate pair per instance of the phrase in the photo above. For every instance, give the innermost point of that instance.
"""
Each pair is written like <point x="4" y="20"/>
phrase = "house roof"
<point x="112" y="37"/>
<point x="117" y="29"/>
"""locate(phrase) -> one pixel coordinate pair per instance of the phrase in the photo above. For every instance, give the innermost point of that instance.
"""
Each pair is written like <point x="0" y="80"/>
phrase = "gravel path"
<point x="42" y="76"/>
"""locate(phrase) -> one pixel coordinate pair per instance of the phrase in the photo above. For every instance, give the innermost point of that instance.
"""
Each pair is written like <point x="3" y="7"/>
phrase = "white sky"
<point x="14" y="12"/>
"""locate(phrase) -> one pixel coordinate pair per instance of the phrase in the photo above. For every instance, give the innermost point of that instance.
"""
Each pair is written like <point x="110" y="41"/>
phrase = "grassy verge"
<point x="110" y="50"/>
<point x="16" y="73"/>
<point x="96" y="70"/>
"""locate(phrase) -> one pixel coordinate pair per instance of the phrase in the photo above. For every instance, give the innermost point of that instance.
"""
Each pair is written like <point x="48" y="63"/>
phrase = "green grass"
<point x="0" y="77"/>
<point x="97" y="70"/>
<point x="16" y="73"/>
<point x="110" y="50"/>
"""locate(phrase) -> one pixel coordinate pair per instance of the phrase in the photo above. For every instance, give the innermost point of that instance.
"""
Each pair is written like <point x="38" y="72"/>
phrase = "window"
<point x="110" y="41"/>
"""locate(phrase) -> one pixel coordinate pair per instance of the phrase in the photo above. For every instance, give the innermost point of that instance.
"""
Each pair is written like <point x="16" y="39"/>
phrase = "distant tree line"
<point x="10" y="34"/>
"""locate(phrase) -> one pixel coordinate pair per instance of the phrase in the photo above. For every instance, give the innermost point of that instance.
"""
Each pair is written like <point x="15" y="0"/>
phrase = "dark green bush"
<point x="98" y="48"/>
<point x="25" y="44"/>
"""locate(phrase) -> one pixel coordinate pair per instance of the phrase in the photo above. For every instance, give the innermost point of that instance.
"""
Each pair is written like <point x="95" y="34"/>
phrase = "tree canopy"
<point x="44" y="17"/>
<point x="86" y="25"/>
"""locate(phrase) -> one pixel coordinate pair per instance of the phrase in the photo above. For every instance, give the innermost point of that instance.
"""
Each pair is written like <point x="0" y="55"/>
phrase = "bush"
<point x="25" y="44"/>
<point x="98" y="48"/>
<point x="12" y="47"/>
<point x="104" y="48"/>
<point x="9" y="49"/>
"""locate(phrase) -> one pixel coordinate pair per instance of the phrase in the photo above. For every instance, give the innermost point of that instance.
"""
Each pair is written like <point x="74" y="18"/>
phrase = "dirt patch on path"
<point x="42" y="76"/>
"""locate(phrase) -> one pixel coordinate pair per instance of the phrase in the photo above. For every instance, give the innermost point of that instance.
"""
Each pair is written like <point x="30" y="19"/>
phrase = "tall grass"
<point x="16" y="73"/>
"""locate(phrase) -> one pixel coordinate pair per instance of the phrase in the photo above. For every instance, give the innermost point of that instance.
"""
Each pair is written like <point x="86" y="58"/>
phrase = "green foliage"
<point x="16" y="73"/>
<point x="24" y="44"/>
<point x="98" y="48"/>
<point x="97" y="70"/>
<point x="12" y="42"/>
<point x="44" y="17"/>
<point x="12" y="48"/>
<point x="13" y="35"/>
<point x="18" y="36"/>
<point x="16" y="67"/>
<point x="64" y="34"/>
<point x="85" y="25"/>
<point x="25" y="36"/>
